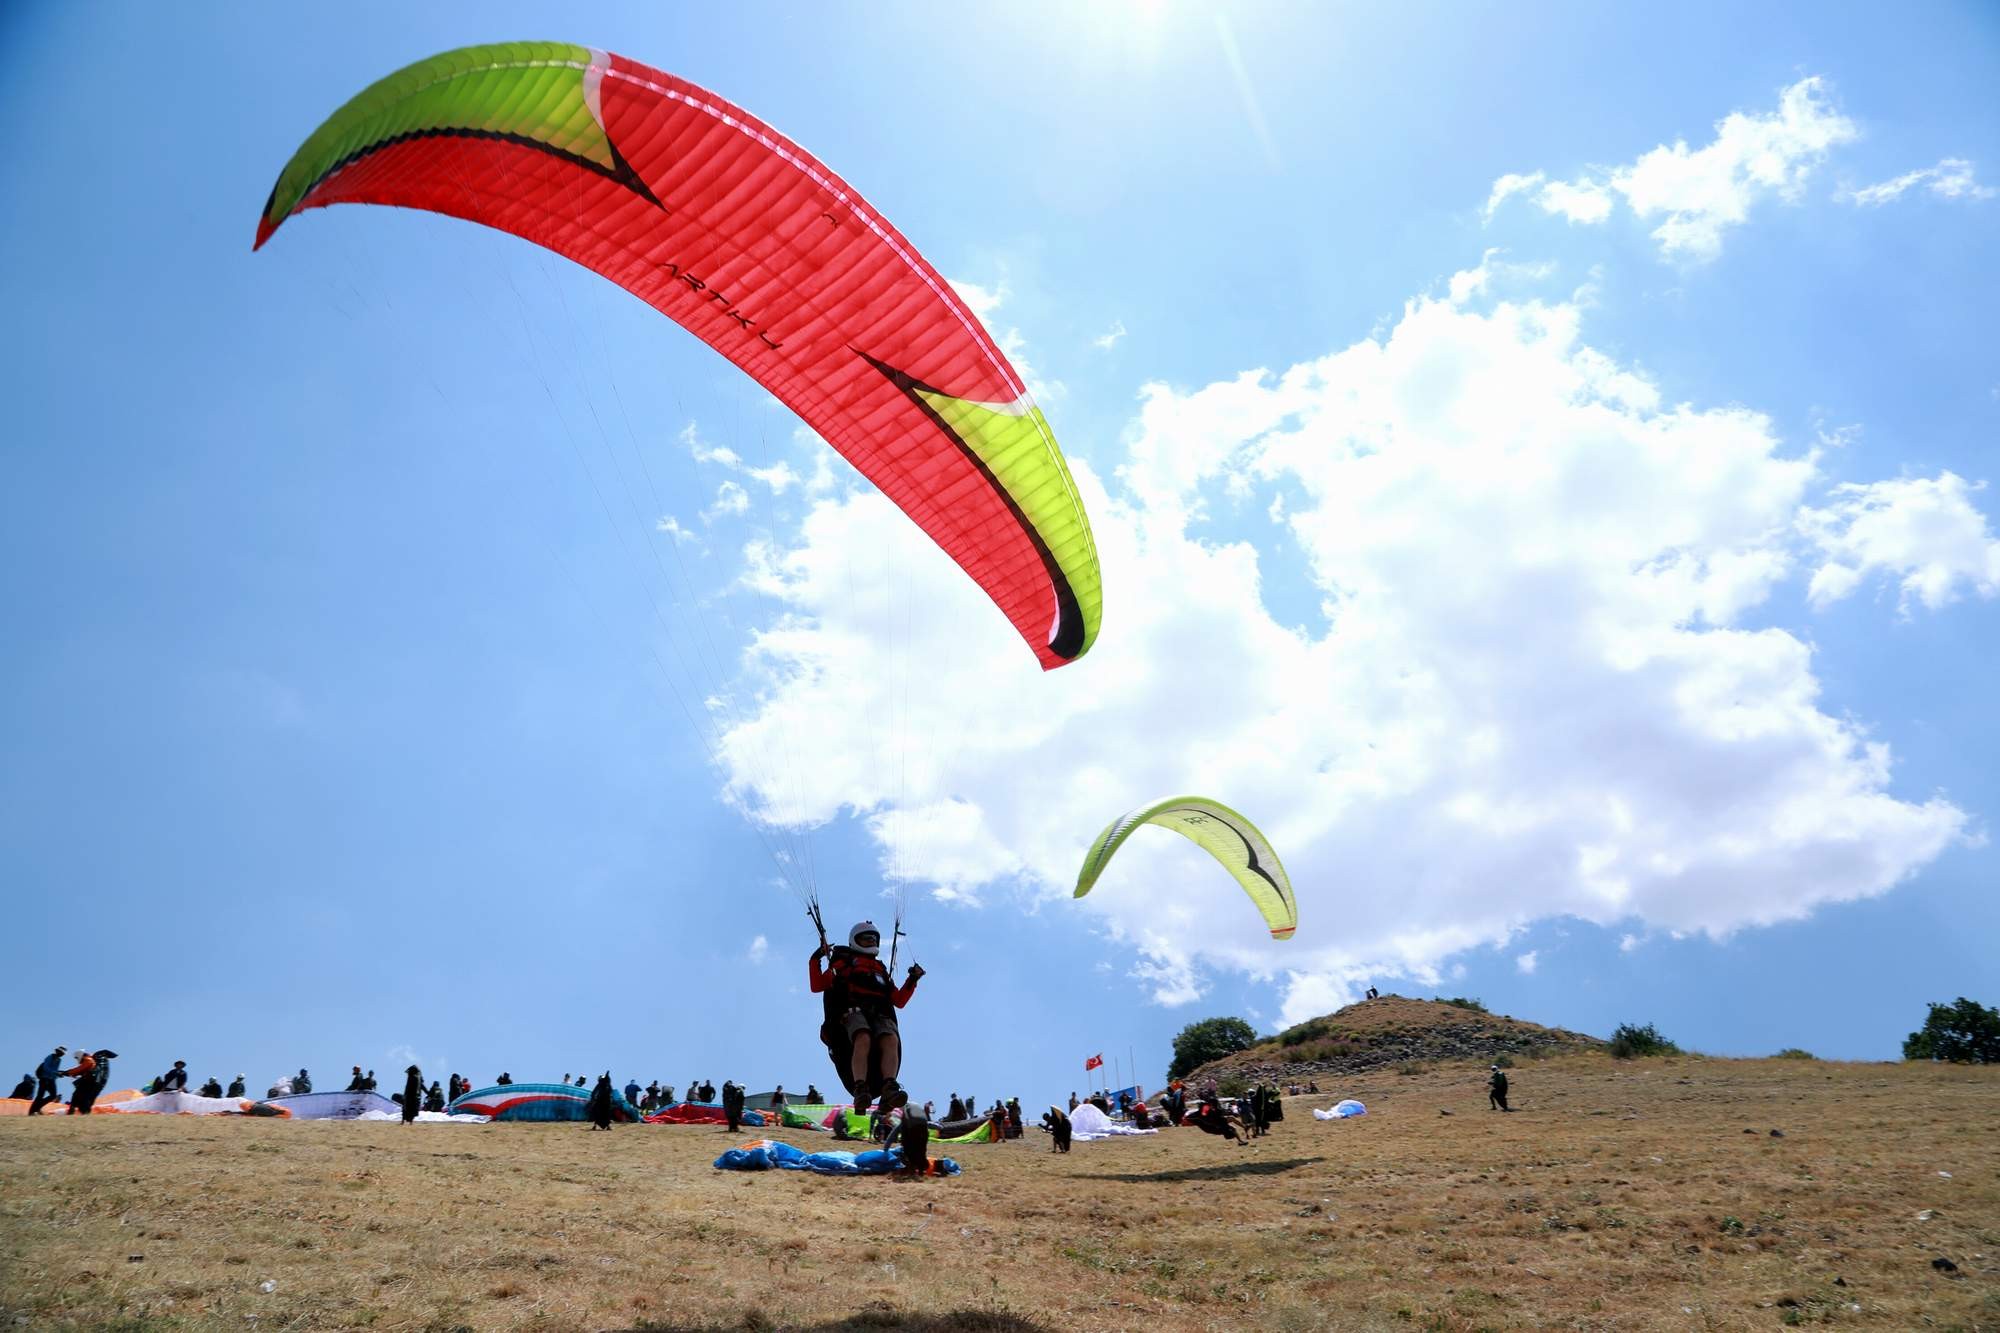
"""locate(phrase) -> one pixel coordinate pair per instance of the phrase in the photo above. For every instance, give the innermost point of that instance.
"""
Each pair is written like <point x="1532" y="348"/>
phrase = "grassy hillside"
<point x="1388" y="1031"/>
<point x="1629" y="1195"/>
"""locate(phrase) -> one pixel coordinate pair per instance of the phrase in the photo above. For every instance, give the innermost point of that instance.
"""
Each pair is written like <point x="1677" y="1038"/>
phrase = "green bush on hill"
<point x="1465" y="1002"/>
<point x="1631" y="1041"/>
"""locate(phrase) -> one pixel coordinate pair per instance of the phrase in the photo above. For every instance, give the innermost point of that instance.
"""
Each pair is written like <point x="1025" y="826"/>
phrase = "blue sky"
<point x="342" y="719"/>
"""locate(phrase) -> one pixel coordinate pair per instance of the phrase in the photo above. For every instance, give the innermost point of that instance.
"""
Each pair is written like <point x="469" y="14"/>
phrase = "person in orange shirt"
<point x="84" y="1093"/>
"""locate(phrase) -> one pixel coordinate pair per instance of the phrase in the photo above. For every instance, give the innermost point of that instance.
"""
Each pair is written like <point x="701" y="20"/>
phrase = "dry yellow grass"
<point x="1622" y="1196"/>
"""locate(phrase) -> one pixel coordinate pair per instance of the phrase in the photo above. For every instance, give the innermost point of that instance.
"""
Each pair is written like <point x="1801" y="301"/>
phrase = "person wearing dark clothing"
<point x="707" y="1092"/>
<point x="358" y="1083"/>
<point x="1374" y="994"/>
<point x="582" y="1082"/>
<point x="506" y="1080"/>
<point x="1058" y="1126"/>
<point x="732" y="1105"/>
<point x="90" y="1082"/>
<point x="1209" y="1117"/>
<point x="24" y="1089"/>
<point x="813" y="1097"/>
<point x="236" y="1087"/>
<point x="456" y="1090"/>
<point x="913" y="1136"/>
<point x="46" y="1074"/>
<point x="434" y="1099"/>
<point x="601" y="1102"/>
<point x="1013" y="1117"/>
<point x="368" y="1083"/>
<point x="211" y="1089"/>
<point x="413" y="1093"/>
<point x="1496" y="1090"/>
<point x="303" y="1083"/>
<point x="955" y="1111"/>
<point x="778" y="1098"/>
<point x="1073" y="1103"/>
<point x="175" y="1079"/>
<point x="632" y="1091"/>
<point x="859" y="1028"/>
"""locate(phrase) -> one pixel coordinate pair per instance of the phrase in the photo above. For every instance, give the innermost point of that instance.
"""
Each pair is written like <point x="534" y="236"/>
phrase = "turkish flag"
<point x="1094" y="1062"/>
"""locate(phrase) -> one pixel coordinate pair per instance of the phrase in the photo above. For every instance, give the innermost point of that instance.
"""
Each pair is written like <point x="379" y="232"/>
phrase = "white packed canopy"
<point x="1086" y="1122"/>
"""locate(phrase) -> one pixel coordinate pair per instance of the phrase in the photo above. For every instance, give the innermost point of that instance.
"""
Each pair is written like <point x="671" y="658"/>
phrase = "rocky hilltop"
<point x="1388" y="1031"/>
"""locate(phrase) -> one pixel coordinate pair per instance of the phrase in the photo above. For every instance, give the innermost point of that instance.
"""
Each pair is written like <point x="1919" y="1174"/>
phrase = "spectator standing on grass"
<point x="778" y="1098"/>
<point x="601" y="1099"/>
<point x="413" y="1093"/>
<point x="1496" y="1090"/>
<point x="732" y="1105"/>
<point x="46" y="1074"/>
<point x="955" y="1108"/>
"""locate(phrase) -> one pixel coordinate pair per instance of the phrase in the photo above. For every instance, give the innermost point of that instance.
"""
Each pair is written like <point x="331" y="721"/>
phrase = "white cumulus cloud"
<point x="1698" y="194"/>
<point x="760" y="949"/>
<point x="705" y="452"/>
<point x="674" y="528"/>
<point x="730" y="499"/>
<point x="1951" y="178"/>
<point x="1579" y="201"/>
<point x="1526" y="963"/>
<point x="1529" y="693"/>
<point x="1109" y="338"/>
<point x="1923" y="532"/>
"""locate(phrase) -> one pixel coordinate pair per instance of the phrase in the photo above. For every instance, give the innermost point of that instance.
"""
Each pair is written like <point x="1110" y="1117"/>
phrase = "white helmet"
<point x="864" y="928"/>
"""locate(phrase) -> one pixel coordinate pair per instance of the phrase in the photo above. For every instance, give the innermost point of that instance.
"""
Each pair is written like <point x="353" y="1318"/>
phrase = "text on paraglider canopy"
<point x="703" y="290"/>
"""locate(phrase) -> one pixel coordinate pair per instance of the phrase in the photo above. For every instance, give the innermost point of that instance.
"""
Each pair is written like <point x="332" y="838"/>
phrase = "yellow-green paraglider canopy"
<point x="1225" y="835"/>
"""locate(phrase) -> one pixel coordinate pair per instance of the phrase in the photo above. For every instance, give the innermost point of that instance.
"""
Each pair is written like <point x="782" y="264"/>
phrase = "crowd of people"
<point x="1239" y="1118"/>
